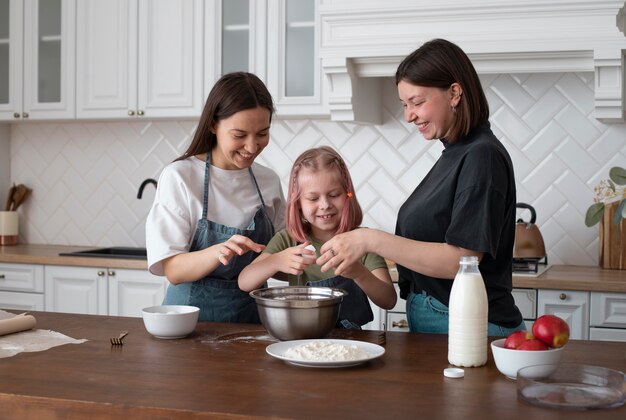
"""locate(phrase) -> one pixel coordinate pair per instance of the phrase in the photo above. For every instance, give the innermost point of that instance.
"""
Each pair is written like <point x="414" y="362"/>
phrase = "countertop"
<point x="558" y="277"/>
<point x="222" y="370"/>
<point x="49" y="255"/>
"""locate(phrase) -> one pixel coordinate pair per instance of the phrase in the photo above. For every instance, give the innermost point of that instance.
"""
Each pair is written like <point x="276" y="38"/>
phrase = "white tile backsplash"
<point x="85" y="175"/>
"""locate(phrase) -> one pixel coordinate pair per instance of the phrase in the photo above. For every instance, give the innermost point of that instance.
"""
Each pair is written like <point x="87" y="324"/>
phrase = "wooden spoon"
<point x="20" y="195"/>
<point x="7" y="207"/>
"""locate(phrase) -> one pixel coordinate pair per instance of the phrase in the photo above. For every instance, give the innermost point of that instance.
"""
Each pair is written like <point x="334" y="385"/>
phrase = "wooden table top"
<point x="222" y="370"/>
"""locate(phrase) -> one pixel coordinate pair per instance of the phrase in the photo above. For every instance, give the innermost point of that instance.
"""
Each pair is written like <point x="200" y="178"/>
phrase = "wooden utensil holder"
<point x="612" y="240"/>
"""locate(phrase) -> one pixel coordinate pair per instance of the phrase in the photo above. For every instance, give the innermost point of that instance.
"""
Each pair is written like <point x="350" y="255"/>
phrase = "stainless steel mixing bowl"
<point x="298" y="312"/>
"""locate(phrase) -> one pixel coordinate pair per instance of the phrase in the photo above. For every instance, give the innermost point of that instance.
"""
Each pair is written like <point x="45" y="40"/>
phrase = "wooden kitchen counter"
<point x="49" y="255"/>
<point x="571" y="277"/>
<point x="222" y="370"/>
<point x="560" y="277"/>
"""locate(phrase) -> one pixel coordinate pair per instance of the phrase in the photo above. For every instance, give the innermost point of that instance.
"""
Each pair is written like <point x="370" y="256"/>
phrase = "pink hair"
<point x="315" y="160"/>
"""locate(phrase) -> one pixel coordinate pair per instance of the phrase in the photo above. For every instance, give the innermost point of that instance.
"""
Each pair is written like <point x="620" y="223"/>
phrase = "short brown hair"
<point x="440" y="63"/>
<point x="232" y="93"/>
<point x="320" y="159"/>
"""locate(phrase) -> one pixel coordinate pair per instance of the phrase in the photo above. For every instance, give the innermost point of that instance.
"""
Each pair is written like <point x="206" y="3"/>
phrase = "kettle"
<point x="528" y="239"/>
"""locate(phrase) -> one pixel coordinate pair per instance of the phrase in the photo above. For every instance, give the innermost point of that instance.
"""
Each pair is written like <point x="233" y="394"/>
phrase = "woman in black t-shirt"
<point x="464" y="206"/>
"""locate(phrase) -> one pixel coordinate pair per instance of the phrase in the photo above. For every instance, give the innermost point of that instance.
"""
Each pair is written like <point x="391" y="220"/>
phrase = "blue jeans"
<point x="427" y="315"/>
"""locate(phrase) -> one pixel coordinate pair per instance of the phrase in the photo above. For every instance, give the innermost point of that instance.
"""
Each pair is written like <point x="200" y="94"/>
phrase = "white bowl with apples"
<point x="542" y="346"/>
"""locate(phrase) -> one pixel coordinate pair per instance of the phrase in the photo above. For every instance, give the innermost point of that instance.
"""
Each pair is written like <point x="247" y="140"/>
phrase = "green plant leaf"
<point x="594" y="214"/>
<point x="618" y="175"/>
<point x="619" y="213"/>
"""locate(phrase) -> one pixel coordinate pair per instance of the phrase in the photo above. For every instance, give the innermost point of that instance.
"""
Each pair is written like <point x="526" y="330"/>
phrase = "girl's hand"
<point x="343" y="251"/>
<point x="295" y="259"/>
<point x="237" y="245"/>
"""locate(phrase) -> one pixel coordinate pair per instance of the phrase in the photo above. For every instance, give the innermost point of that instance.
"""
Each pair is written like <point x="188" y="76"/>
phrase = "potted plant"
<point x="610" y="201"/>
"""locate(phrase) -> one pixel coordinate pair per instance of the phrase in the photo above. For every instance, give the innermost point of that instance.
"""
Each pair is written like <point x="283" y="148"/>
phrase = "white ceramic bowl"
<point x="170" y="321"/>
<point x="509" y="361"/>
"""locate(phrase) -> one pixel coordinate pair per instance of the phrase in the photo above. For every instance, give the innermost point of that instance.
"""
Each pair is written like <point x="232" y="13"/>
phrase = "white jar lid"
<point x="453" y="373"/>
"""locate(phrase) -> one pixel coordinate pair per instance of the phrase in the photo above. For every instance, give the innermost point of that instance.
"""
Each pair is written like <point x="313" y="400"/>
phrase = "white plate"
<point x="278" y="350"/>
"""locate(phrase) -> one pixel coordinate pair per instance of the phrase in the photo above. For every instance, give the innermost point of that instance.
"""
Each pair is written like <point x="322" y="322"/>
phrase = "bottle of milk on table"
<point x="467" y="325"/>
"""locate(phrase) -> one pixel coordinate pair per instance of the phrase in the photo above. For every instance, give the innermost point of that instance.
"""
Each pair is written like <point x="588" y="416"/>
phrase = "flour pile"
<point x="326" y="351"/>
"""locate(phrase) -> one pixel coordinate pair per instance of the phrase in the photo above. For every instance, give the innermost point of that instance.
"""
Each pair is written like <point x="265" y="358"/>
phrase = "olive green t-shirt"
<point x="282" y="241"/>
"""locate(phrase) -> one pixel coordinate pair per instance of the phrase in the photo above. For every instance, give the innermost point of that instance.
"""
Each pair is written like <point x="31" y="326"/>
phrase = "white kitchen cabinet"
<point x="37" y="59"/>
<point x="294" y="76"/>
<point x="235" y="38"/>
<point x="79" y="290"/>
<point x="132" y="290"/>
<point x="139" y="58"/>
<point x="608" y="316"/>
<point x="101" y="290"/>
<point x="278" y="40"/>
<point x="571" y="306"/>
<point x="22" y="287"/>
<point x="395" y="318"/>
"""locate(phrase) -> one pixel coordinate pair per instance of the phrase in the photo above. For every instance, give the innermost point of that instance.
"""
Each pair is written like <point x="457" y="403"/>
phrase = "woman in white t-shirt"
<point x="215" y="209"/>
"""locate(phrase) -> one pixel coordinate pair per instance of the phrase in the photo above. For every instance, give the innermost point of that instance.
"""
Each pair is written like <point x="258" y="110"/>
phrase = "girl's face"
<point x="321" y="201"/>
<point x="240" y="138"/>
<point x="429" y="108"/>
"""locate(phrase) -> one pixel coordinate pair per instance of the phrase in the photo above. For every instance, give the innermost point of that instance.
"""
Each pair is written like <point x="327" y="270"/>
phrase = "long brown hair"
<point x="232" y="93"/>
<point x="321" y="159"/>
<point x="440" y="63"/>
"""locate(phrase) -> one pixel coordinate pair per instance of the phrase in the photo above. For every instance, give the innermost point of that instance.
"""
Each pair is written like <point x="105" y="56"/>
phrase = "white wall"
<point x="85" y="176"/>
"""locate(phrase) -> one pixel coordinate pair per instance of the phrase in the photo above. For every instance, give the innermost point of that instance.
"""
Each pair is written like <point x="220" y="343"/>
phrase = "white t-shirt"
<point x="233" y="201"/>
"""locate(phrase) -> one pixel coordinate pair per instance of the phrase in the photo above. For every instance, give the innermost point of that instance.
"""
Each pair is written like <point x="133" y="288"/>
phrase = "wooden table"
<point x="218" y="372"/>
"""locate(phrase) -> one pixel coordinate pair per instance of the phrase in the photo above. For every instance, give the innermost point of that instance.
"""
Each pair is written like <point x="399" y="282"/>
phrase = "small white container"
<point x="8" y="228"/>
<point x="170" y="321"/>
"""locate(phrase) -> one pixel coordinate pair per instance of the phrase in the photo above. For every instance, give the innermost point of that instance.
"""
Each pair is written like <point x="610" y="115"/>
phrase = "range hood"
<point x="363" y="41"/>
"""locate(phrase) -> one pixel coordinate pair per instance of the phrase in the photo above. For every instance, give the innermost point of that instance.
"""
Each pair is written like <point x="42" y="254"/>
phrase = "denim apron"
<point x="355" y="308"/>
<point x="217" y="295"/>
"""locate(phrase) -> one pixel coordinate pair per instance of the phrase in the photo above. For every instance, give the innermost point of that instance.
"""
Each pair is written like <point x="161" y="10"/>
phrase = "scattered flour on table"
<point x="326" y="351"/>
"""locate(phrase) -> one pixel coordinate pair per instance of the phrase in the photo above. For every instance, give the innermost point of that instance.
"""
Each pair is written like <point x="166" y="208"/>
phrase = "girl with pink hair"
<point x="321" y="204"/>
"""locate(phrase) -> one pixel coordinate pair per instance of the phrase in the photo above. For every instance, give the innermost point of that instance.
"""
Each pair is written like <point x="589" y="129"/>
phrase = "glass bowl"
<point x="571" y="386"/>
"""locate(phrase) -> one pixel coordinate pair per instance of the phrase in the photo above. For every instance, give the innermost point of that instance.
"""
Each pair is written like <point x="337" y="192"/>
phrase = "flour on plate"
<point x="326" y="351"/>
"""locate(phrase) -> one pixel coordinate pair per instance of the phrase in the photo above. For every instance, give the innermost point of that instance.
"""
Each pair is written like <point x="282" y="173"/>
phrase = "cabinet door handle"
<point x="1" y="276"/>
<point x="111" y="273"/>
<point x="140" y="113"/>
<point x="131" y="113"/>
<point x="100" y="273"/>
<point x="562" y="296"/>
<point x="400" y="324"/>
<point x="16" y="115"/>
<point x="25" y="114"/>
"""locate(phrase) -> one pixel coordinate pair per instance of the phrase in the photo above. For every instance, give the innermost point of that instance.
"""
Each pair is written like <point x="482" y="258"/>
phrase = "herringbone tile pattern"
<point x="85" y="176"/>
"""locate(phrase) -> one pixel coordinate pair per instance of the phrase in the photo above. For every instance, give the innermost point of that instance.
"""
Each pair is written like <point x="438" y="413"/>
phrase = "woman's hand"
<point x="237" y="245"/>
<point x="343" y="251"/>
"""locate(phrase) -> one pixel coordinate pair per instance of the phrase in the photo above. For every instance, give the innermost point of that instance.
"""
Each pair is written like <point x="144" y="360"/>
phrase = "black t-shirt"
<point x="467" y="200"/>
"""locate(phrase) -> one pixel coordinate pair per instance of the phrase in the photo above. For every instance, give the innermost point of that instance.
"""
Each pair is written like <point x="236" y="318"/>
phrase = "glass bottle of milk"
<point x="467" y="325"/>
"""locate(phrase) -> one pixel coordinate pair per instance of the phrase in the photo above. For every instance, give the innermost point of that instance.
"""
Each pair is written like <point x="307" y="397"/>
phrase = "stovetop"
<point x="529" y="265"/>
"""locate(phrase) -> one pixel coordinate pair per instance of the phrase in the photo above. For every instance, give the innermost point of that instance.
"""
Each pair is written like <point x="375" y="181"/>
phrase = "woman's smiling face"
<point x="429" y="108"/>
<point x="240" y="138"/>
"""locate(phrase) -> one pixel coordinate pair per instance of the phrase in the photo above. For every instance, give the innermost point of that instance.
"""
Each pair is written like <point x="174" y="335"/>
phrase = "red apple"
<point x="516" y="338"/>
<point x="533" y="344"/>
<point x="552" y="330"/>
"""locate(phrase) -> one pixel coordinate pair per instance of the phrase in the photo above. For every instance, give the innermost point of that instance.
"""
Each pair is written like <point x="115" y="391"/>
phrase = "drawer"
<point x="607" y="334"/>
<point x="608" y="309"/>
<point x="21" y="277"/>
<point x="526" y="301"/>
<point x="397" y="322"/>
<point x="21" y="301"/>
